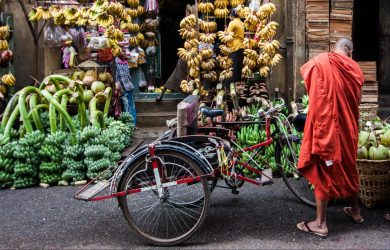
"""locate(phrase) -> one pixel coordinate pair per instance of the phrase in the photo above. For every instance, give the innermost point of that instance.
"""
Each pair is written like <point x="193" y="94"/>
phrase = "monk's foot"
<point x="354" y="215"/>
<point x="313" y="228"/>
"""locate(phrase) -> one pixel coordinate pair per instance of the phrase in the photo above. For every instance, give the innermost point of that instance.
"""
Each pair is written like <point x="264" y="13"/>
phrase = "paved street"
<point x="262" y="217"/>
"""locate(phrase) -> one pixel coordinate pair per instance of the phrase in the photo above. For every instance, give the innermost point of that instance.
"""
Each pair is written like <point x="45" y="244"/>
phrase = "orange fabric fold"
<point x="333" y="82"/>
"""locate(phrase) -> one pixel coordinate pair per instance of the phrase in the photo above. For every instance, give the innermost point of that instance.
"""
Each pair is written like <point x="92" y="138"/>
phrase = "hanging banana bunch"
<point x="8" y="79"/>
<point x="188" y="34"/>
<point x="114" y="33"/>
<point x="210" y="76"/>
<point x="266" y="10"/>
<point x="268" y="31"/>
<point x="100" y="6"/>
<point x="205" y="7"/>
<point x="225" y="36"/>
<point x="71" y="15"/>
<point x="207" y="37"/>
<point x="3" y="45"/>
<point x="225" y="50"/>
<point x="4" y="32"/>
<point x="225" y="62"/>
<point x="207" y="65"/>
<point x="251" y="22"/>
<point x="188" y="22"/>
<point x="190" y="44"/>
<point x="221" y="4"/>
<point x="225" y="74"/>
<point x="221" y="13"/>
<point x="250" y="43"/>
<point x="115" y="9"/>
<point x="207" y="26"/>
<point x="243" y="11"/>
<point x="235" y="3"/>
<point x="133" y="3"/>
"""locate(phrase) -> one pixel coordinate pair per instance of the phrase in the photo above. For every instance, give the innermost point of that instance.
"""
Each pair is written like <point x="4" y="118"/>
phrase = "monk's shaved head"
<point x="344" y="46"/>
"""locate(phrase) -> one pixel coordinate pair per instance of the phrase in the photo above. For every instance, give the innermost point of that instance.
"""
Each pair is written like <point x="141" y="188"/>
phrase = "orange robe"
<point x="333" y="82"/>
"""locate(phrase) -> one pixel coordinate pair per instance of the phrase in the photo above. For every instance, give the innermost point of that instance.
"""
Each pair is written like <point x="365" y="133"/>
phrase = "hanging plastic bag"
<point x="52" y="35"/>
<point x="151" y="6"/>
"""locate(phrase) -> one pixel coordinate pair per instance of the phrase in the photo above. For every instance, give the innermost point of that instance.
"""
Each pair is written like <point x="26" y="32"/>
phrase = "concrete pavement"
<point x="257" y="218"/>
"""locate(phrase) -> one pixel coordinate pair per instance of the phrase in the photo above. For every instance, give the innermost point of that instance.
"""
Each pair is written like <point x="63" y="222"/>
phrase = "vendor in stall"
<point x="237" y="45"/>
<point x="123" y="78"/>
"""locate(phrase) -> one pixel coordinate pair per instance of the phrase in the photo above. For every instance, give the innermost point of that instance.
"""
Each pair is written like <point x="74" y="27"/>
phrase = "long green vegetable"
<point x="22" y="106"/>
<point x="8" y="110"/>
<point x="63" y="112"/>
<point x="35" y="114"/>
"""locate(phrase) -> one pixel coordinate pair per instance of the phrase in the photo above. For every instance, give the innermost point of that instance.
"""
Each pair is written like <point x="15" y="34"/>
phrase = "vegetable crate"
<point x="374" y="177"/>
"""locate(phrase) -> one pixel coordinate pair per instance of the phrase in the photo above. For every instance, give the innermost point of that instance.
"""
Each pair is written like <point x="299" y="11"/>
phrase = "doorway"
<point x="371" y="36"/>
<point x="171" y="12"/>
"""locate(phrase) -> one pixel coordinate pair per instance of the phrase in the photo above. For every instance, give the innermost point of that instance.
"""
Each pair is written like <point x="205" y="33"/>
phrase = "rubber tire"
<point x="153" y="240"/>
<point x="307" y="201"/>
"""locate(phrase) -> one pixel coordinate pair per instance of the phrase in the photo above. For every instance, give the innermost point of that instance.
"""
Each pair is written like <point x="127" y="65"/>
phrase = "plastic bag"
<point x="133" y="59"/>
<point x="254" y="5"/>
<point x="53" y="34"/>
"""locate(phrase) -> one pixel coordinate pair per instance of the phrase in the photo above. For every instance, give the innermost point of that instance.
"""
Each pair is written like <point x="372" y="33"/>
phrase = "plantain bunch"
<point x="268" y="32"/>
<point x="224" y="62"/>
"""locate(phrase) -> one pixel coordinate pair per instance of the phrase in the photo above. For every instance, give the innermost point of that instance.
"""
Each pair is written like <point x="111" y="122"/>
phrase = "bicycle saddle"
<point x="209" y="112"/>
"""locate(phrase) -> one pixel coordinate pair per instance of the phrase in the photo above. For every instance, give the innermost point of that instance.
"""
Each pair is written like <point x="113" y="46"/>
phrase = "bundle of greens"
<point x="26" y="159"/>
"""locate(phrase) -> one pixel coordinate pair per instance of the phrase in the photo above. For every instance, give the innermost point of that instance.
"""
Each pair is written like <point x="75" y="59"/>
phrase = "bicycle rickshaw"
<point x="164" y="188"/>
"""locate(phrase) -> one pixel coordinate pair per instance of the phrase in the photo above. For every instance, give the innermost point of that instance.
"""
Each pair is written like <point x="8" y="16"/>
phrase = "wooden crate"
<point x="369" y="70"/>
<point x="341" y="9"/>
<point x="370" y="92"/>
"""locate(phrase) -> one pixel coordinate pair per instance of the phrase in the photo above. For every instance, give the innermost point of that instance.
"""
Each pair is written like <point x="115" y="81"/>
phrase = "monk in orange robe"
<point x="328" y="155"/>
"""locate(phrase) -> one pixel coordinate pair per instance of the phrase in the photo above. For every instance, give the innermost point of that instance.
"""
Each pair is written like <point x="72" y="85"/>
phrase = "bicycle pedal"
<point x="235" y="191"/>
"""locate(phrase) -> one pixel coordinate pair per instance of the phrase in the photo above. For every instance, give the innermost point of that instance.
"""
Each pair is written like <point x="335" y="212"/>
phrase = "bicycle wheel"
<point x="287" y="159"/>
<point x="174" y="218"/>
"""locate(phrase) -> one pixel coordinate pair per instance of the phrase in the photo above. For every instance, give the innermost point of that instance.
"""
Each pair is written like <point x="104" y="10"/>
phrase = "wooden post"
<point x="182" y="119"/>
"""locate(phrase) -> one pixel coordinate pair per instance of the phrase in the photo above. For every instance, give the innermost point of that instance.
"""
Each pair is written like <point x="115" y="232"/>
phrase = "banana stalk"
<point x="81" y="114"/>
<point x="96" y="117"/>
<point x="8" y="110"/>
<point x="35" y="114"/>
<point x="55" y="79"/>
<point x="22" y="106"/>
<point x="64" y="102"/>
<point x="8" y="127"/>
<point x="38" y="107"/>
<point x="108" y="95"/>
<point x="63" y="112"/>
<point x="52" y="109"/>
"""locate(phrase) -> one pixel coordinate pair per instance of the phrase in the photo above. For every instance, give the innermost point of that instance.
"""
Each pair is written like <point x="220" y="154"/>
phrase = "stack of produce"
<point x="52" y="144"/>
<point x="51" y="154"/>
<point x="26" y="159"/>
<point x="73" y="161"/>
<point x="7" y="163"/>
